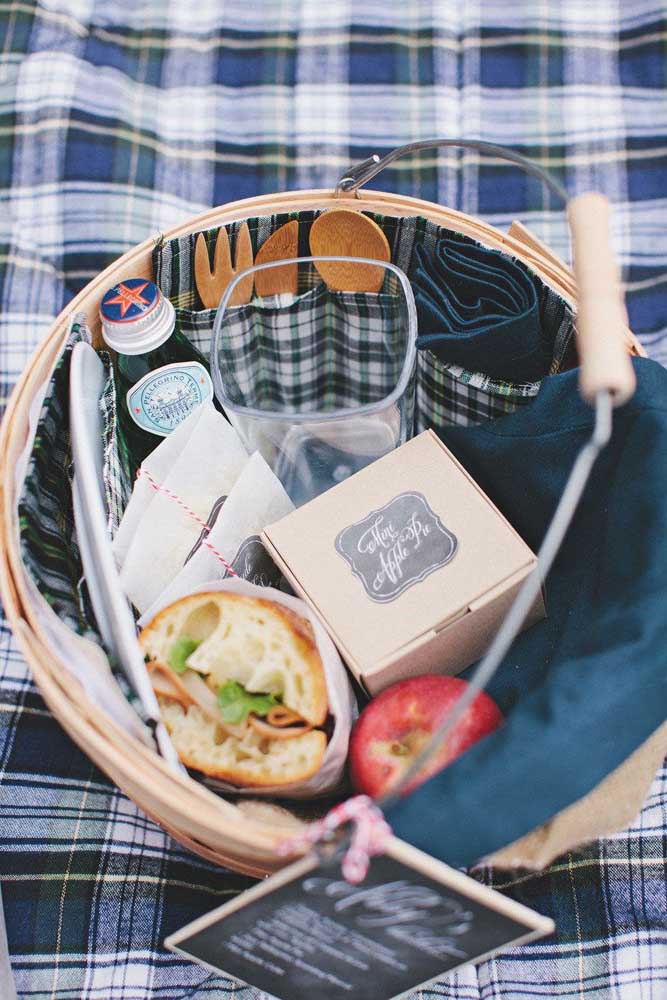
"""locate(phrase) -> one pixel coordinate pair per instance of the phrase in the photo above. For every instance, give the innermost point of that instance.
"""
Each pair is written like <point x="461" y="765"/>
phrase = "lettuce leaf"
<point x="179" y="653"/>
<point x="236" y="703"/>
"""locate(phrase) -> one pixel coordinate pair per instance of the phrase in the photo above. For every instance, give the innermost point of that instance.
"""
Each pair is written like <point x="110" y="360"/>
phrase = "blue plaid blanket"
<point x="121" y="119"/>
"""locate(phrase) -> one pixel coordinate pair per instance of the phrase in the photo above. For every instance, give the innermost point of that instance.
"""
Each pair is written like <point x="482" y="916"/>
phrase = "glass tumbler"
<point x="318" y="379"/>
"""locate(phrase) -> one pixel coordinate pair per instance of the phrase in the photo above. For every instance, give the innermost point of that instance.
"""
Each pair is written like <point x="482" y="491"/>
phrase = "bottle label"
<point x="163" y="398"/>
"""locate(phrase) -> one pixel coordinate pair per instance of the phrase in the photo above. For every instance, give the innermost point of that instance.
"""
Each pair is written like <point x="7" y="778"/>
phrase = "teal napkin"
<point x="478" y="308"/>
<point x="584" y="688"/>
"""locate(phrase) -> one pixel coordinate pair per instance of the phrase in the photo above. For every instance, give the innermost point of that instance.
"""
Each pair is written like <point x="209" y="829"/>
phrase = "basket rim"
<point x="203" y="821"/>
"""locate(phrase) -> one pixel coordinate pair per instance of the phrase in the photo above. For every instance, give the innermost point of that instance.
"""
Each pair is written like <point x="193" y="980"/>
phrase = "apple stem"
<point x="399" y="749"/>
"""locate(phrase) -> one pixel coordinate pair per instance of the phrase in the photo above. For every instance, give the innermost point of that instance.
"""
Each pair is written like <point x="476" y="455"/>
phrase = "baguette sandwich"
<point x="241" y="688"/>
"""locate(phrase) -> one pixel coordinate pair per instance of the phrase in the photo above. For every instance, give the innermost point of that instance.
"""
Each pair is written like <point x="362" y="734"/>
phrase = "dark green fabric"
<point x="584" y="688"/>
<point x="478" y="308"/>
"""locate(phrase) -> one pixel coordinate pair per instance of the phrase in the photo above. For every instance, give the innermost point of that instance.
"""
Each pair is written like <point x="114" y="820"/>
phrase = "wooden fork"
<point x="211" y="284"/>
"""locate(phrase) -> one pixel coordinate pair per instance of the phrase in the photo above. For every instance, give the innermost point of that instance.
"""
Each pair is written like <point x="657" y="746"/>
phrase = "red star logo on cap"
<point x="128" y="297"/>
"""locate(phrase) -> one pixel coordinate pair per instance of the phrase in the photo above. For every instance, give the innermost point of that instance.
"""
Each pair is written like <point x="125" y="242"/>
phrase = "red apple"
<point x="395" y="726"/>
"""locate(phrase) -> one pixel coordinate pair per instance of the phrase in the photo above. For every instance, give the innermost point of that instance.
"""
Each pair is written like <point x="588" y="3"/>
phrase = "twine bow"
<point x="369" y="835"/>
<point x="206" y="528"/>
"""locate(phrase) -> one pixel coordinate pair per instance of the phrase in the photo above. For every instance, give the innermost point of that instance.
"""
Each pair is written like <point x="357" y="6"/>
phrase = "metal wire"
<point x="360" y="173"/>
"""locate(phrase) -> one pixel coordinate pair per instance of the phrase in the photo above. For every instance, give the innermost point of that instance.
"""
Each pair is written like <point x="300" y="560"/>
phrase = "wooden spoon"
<point x="349" y="234"/>
<point x="212" y="284"/>
<point x="281" y="245"/>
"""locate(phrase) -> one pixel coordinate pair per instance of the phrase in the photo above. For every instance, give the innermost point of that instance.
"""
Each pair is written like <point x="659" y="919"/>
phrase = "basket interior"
<point x="446" y="394"/>
<point x="173" y="268"/>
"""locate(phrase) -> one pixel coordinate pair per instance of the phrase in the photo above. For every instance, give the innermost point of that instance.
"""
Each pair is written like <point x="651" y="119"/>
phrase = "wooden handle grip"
<point x="601" y="315"/>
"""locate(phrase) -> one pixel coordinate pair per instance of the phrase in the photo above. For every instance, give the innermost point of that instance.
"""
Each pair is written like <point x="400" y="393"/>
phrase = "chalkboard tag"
<point x="305" y="932"/>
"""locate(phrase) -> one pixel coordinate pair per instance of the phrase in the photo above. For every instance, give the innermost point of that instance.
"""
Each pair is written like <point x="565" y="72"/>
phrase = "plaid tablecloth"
<point x="120" y="119"/>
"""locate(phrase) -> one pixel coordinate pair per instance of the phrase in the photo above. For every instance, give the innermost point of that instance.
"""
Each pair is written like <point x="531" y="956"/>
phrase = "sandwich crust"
<point x="249" y="763"/>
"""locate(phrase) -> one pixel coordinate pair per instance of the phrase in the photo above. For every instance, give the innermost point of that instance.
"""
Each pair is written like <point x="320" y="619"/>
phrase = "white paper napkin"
<point x="256" y="500"/>
<point x="194" y="467"/>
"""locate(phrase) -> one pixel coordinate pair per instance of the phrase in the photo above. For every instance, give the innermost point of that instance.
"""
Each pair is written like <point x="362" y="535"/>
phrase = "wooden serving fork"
<point x="212" y="284"/>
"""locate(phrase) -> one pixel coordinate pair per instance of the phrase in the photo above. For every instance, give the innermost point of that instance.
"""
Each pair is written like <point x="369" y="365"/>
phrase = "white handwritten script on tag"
<point x="306" y="932"/>
<point x="396" y="546"/>
<point x="425" y="918"/>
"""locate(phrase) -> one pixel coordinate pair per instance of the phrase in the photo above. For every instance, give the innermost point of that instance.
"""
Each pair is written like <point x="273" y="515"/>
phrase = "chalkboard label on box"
<point x="305" y="932"/>
<point x="396" y="546"/>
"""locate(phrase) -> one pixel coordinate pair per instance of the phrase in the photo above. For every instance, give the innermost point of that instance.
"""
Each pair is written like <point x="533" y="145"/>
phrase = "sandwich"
<point x="241" y="688"/>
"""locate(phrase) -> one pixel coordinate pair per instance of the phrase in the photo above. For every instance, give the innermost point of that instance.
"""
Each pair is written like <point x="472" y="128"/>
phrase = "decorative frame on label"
<point x="389" y="560"/>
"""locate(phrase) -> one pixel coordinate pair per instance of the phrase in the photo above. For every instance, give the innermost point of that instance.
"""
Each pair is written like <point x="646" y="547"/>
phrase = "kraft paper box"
<point x="408" y="563"/>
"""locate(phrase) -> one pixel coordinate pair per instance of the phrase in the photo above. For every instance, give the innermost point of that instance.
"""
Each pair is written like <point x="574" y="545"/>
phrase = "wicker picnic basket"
<point x="243" y="837"/>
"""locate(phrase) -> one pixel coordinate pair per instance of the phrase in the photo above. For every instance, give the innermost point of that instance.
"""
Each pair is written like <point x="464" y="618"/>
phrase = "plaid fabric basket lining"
<point x="448" y="394"/>
<point x="445" y="394"/>
<point x="49" y="546"/>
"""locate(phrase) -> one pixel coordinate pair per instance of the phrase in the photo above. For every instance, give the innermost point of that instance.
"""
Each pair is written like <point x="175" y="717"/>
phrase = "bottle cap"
<point x="136" y="316"/>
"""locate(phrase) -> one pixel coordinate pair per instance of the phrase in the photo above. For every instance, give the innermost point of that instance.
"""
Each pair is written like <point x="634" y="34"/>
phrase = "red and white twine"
<point x="160" y="488"/>
<point x="369" y="835"/>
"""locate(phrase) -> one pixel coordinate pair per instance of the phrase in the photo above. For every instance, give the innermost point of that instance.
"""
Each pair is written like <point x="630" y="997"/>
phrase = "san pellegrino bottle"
<point x="161" y="377"/>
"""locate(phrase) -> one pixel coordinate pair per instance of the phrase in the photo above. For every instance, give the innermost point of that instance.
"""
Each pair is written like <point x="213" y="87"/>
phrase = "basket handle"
<point x="601" y="315"/>
<point x="605" y="364"/>
<point x="361" y="173"/>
